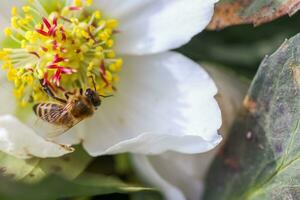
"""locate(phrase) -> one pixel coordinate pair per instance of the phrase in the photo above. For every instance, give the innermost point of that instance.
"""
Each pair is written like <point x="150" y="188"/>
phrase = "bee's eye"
<point x="93" y="97"/>
<point x="89" y="92"/>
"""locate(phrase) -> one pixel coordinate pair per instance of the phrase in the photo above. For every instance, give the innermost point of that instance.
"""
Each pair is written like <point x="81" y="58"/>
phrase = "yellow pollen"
<point x="14" y="11"/>
<point x="89" y="2"/>
<point x="26" y="9"/>
<point x="7" y="31"/>
<point x="97" y="14"/>
<point x="66" y="48"/>
<point x="78" y="3"/>
<point x="110" y="43"/>
<point x="111" y="54"/>
<point x="3" y="55"/>
<point x="112" y="23"/>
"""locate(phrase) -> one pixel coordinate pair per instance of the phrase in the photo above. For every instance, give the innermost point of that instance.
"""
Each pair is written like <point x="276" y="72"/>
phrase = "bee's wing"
<point x="41" y="127"/>
<point x="49" y="129"/>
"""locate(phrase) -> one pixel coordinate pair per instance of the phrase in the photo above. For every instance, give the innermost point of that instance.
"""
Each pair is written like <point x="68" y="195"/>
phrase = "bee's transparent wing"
<point x="41" y="127"/>
<point x="48" y="129"/>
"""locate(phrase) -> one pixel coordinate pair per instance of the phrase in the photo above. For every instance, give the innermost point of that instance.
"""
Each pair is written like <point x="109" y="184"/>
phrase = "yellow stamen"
<point x="14" y="11"/>
<point x="78" y="3"/>
<point x="61" y="48"/>
<point x="89" y="2"/>
<point x="7" y="31"/>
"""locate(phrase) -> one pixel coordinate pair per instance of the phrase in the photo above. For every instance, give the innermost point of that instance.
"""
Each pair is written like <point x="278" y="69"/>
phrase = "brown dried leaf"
<point x="234" y="12"/>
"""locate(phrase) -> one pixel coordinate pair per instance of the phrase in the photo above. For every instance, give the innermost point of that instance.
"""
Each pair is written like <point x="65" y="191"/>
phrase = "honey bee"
<point x="66" y="113"/>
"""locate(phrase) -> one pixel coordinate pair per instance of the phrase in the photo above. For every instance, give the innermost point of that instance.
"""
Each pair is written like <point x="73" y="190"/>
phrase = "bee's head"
<point x="93" y="96"/>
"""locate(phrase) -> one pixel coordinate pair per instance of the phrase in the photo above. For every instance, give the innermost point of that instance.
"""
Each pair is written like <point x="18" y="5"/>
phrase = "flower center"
<point x="66" y="48"/>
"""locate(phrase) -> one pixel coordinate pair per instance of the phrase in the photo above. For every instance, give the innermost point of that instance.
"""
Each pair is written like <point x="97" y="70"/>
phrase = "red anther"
<point x="66" y="70"/>
<point x="54" y="21"/>
<point x="45" y="79"/>
<point x="56" y="77"/>
<point x="52" y="67"/>
<point x="104" y="79"/>
<point x="44" y="49"/>
<point x="34" y="53"/>
<point x="103" y="72"/>
<point x="42" y="32"/>
<point x="46" y="22"/>
<point x="51" y="28"/>
<point x="58" y="59"/>
<point x="63" y="50"/>
<point x="63" y="70"/>
<point x="64" y="37"/>
<point x="102" y="68"/>
<point x="55" y="45"/>
<point x="74" y="8"/>
<point x="52" y="31"/>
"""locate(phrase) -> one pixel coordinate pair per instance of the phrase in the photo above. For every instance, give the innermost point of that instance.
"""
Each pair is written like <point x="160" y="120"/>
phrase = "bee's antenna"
<point x="93" y="83"/>
<point x="105" y="96"/>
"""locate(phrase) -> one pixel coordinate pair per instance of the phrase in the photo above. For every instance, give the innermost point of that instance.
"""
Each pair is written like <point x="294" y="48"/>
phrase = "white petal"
<point x="6" y="95"/>
<point x="150" y="175"/>
<point x="164" y="102"/>
<point x="6" y="7"/>
<point x="188" y="171"/>
<point x="181" y="171"/>
<point x="19" y="140"/>
<point x="232" y="91"/>
<point x="3" y="24"/>
<point x="152" y="26"/>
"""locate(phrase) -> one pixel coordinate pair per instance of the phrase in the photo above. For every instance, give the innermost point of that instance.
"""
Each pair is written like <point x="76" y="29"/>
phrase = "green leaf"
<point x="261" y="158"/>
<point x="241" y="47"/>
<point x="54" y="187"/>
<point x="233" y="12"/>
<point x="32" y="170"/>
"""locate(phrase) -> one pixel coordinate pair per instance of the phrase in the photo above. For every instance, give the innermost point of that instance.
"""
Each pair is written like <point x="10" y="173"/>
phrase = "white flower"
<point x="164" y="101"/>
<point x="180" y="176"/>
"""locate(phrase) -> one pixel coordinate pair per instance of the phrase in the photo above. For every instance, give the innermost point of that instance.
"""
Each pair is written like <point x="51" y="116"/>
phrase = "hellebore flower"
<point x="161" y="100"/>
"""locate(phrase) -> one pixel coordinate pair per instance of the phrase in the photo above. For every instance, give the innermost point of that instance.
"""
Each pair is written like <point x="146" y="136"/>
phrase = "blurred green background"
<point x="242" y="47"/>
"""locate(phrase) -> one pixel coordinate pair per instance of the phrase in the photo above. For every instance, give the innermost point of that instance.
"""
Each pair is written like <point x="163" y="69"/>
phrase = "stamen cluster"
<point x="64" y="48"/>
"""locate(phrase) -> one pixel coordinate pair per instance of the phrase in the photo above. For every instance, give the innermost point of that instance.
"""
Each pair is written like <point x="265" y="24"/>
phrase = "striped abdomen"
<point x="53" y="113"/>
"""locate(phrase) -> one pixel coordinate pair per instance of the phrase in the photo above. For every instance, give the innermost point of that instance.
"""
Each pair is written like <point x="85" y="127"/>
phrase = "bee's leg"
<point x="67" y="94"/>
<point x="50" y="93"/>
<point x="105" y="96"/>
